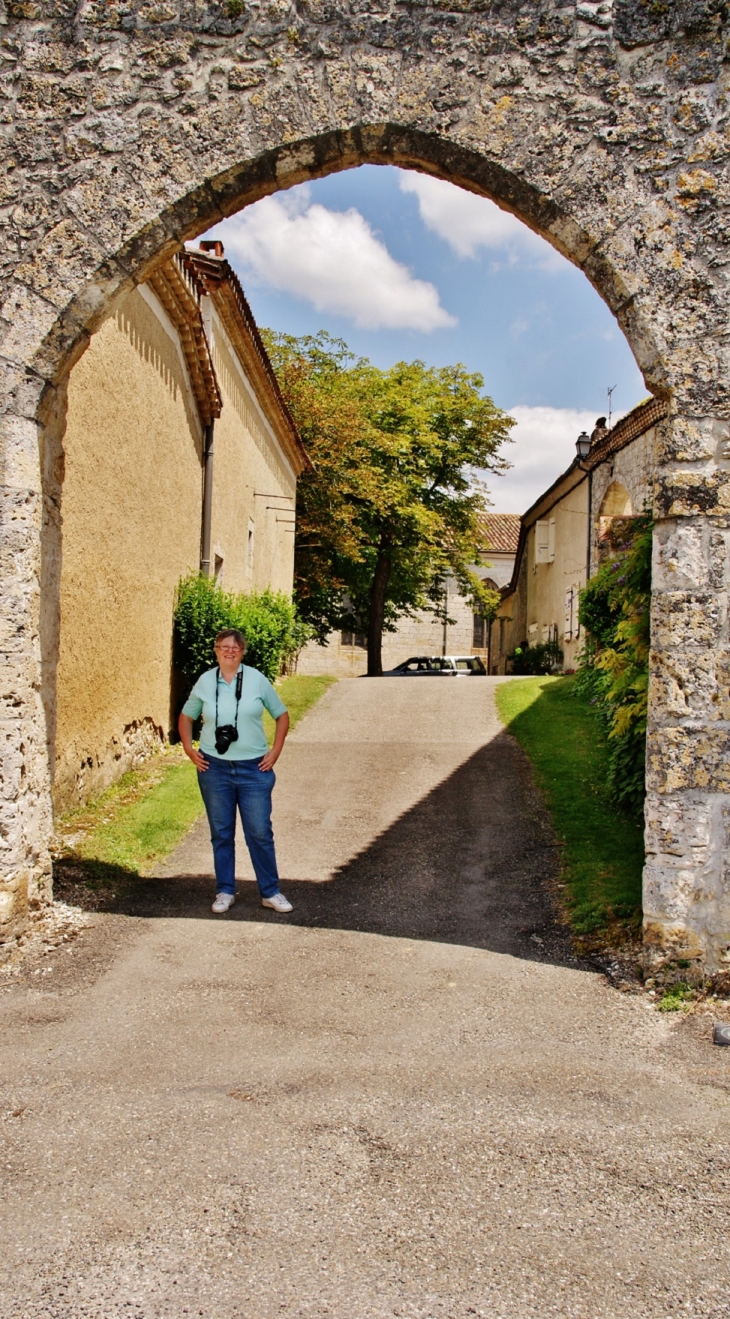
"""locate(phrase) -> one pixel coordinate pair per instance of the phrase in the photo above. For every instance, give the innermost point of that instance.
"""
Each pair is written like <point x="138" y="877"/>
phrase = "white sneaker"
<point x="222" y="902"/>
<point x="277" y="902"/>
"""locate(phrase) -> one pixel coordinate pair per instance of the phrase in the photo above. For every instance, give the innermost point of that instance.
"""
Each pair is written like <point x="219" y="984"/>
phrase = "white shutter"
<point x="542" y="542"/>
<point x="576" y="606"/>
<point x="551" y="540"/>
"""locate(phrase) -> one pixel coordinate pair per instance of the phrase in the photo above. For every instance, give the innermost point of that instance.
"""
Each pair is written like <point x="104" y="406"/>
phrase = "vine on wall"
<point x="614" y="668"/>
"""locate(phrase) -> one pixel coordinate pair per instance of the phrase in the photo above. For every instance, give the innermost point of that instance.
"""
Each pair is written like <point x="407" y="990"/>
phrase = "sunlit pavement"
<point x="405" y="1099"/>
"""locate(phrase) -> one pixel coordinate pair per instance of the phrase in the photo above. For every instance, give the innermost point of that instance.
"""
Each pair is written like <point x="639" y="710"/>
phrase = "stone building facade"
<point x="465" y="633"/>
<point x="176" y="371"/>
<point x="563" y="534"/>
<point x="128" y="129"/>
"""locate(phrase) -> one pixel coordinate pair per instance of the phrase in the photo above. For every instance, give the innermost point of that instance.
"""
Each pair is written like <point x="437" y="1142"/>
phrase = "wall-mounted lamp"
<point x="583" y="445"/>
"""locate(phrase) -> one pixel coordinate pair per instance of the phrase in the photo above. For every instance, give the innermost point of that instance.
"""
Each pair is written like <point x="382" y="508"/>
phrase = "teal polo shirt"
<point x="257" y="695"/>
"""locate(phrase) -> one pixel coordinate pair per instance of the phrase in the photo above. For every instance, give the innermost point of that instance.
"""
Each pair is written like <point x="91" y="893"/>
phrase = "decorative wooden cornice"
<point x="179" y="296"/>
<point x="214" y="276"/>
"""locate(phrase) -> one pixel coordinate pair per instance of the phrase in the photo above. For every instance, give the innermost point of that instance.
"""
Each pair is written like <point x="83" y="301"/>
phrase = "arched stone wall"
<point x="128" y="127"/>
<point x="616" y="502"/>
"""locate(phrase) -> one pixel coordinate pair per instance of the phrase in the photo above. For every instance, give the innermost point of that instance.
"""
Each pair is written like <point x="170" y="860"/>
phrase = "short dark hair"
<point x="238" y="637"/>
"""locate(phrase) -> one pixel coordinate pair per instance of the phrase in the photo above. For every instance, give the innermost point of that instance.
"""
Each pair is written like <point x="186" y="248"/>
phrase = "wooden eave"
<point x="172" y="285"/>
<point x="219" y="281"/>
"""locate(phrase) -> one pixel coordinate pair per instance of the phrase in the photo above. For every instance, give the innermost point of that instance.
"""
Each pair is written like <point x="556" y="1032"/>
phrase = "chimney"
<point x="213" y="246"/>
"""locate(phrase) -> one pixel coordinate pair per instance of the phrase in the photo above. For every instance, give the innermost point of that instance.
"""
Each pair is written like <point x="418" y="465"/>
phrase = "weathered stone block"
<point x="686" y="620"/>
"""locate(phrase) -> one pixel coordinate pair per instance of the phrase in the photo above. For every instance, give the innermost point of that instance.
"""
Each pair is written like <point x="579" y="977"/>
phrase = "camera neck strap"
<point x="239" y="688"/>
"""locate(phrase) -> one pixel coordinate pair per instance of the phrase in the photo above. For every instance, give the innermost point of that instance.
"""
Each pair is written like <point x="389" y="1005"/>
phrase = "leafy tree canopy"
<point x="392" y="503"/>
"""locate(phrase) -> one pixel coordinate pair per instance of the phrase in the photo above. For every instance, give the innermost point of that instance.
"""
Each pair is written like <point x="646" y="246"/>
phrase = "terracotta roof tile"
<point x="500" y="532"/>
<point x="630" y="427"/>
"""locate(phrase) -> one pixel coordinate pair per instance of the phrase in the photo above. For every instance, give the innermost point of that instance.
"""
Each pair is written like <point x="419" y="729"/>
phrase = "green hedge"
<point x="268" y="620"/>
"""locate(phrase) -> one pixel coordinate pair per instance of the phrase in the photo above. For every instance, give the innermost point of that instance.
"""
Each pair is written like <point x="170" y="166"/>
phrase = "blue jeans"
<point x="224" y="786"/>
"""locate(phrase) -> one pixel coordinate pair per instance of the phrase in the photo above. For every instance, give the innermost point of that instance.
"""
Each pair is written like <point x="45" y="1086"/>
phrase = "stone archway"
<point x="129" y="128"/>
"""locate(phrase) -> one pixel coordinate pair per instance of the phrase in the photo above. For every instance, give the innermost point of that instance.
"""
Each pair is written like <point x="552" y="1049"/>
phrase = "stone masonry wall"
<point x="634" y="468"/>
<point x="129" y="127"/>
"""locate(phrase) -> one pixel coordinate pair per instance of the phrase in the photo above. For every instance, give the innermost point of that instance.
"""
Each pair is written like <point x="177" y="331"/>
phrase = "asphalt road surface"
<point x="407" y="1098"/>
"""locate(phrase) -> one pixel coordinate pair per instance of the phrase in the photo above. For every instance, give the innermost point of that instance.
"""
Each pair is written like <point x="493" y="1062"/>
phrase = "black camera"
<point x="224" y="735"/>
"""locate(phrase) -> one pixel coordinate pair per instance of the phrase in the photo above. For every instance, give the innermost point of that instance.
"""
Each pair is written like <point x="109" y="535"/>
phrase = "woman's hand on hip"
<point x="197" y="758"/>
<point x="269" y="760"/>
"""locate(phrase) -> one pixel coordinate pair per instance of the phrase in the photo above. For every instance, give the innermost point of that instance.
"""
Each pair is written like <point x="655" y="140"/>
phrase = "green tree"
<point x="392" y="504"/>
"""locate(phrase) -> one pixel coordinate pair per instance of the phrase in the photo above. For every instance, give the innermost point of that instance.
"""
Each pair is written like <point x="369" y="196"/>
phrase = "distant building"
<point x="564" y="534"/>
<point x="176" y="374"/>
<point x="345" y="654"/>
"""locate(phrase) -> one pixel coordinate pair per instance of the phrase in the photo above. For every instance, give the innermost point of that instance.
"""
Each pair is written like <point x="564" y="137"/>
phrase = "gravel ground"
<point x="405" y="1099"/>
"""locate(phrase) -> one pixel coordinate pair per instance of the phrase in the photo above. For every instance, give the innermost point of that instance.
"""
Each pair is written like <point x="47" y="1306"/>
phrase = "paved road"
<point x="404" y="1100"/>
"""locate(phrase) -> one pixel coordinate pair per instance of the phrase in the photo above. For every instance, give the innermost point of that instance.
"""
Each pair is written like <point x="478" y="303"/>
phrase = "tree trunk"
<point x="377" y="614"/>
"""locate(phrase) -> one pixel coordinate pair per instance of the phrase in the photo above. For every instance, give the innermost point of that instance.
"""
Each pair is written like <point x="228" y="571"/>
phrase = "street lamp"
<point x="583" y="445"/>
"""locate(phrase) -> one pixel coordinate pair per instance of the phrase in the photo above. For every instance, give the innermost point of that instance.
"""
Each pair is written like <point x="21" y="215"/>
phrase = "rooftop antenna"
<point x="610" y="403"/>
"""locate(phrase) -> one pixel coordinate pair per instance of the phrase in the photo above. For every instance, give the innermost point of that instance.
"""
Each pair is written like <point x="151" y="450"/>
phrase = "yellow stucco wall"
<point x="547" y="583"/>
<point x="131" y="520"/>
<point x="130" y="506"/>
<point x="248" y="469"/>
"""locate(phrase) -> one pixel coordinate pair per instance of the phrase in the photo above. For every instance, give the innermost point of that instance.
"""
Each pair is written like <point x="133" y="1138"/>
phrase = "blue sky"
<point x="404" y="266"/>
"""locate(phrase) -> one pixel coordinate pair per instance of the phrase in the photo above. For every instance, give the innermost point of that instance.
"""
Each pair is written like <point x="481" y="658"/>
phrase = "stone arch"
<point x="616" y="502"/>
<point x="130" y="130"/>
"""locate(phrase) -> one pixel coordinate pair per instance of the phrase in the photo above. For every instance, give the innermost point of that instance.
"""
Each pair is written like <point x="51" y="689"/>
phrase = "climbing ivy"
<point x="614" y="669"/>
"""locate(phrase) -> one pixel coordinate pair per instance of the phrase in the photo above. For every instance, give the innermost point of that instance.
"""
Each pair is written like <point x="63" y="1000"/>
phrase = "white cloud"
<point x="544" y="446"/>
<point x="467" y="222"/>
<point x="333" y="260"/>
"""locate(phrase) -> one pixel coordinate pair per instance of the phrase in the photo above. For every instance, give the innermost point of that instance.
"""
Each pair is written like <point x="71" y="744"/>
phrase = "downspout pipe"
<point x="590" y="524"/>
<point x="207" y="499"/>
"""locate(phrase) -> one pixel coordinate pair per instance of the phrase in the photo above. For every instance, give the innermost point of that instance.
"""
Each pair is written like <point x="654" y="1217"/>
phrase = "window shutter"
<point x="568" y="633"/>
<point x="551" y="540"/>
<point x="542" y="542"/>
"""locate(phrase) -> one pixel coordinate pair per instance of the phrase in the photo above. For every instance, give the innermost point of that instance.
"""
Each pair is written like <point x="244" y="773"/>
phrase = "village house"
<point x="179" y="454"/>
<point x="466" y="633"/>
<point x="563" y="536"/>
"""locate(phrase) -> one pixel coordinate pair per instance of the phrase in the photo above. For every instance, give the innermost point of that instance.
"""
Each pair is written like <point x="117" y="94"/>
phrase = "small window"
<point x="479" y="632"/>
<point x="250" y="545"/>
<point x="217" y="566"/>
<point x="354" y="639"/>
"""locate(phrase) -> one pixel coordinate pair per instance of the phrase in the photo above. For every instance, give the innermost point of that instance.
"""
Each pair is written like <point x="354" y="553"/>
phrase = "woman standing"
<point x="235" y="767"/>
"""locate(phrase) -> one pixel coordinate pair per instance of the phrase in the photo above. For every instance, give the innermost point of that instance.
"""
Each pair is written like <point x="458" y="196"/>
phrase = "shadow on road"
<point x="472" y="863"/>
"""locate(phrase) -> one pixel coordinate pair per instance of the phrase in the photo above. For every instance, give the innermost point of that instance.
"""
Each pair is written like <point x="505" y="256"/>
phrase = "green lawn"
<point x="602" y="849"/>
<point x="120" y="835"/>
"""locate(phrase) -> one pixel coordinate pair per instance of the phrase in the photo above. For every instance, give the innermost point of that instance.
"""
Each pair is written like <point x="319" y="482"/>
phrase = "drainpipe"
<point x="590" y="523"/>
<point x="207" y="499"/>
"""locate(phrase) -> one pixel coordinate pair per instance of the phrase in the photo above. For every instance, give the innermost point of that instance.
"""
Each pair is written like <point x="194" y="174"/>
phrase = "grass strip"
<point x="120" y="835"/>
<point x="602" y="850"/>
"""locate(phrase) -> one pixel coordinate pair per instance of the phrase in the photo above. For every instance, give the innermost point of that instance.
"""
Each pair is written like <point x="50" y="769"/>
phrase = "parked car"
<point x="438" y="666"/>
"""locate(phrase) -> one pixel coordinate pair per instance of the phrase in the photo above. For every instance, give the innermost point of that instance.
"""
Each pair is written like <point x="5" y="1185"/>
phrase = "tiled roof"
<point x="500" y="532"/>
<point x="630" y="427"/>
